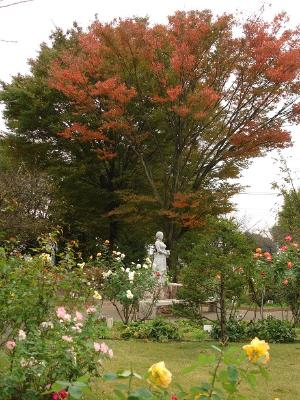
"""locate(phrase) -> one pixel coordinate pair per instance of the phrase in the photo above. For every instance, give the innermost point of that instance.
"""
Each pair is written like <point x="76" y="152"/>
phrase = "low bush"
<point x="270" y="329"/>
<point x="273" y="330"/>
<point x="158" y="330"/>
<point x="236" y="331"/>
<point x="190" y="330"/>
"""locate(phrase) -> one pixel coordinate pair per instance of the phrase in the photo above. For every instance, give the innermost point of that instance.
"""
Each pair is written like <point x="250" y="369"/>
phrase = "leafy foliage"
<point x="215" y="267"/>
<point x="270" y="329"/>
<point x="188" y="103"/>
<point x="123" y="283"/>
<point x="157" y="330"/>
<point x="60" y="348"/>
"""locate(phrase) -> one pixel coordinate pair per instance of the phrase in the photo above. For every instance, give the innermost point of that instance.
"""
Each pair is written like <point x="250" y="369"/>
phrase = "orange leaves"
<point x="113" y="88"/>
<point x="82" y="133"/>
<point x="182" y="111"/>
<point x="209" y="96"/>
<point x="275" y="50"/>
<point x="181" y="200"/>
<point x="252" y="139"/>
<point x="182" y="61"/>
<point x="174" y="92"/>
<point x="286" y="68"/>
<point x="105" y="154"/>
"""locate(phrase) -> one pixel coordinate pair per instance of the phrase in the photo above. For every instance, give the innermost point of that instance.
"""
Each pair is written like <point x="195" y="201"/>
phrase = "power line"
<point x="259" y="193"/>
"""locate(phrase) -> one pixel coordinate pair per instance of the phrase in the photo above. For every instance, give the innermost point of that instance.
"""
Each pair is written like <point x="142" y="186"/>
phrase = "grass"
<point x="284" y="367"/>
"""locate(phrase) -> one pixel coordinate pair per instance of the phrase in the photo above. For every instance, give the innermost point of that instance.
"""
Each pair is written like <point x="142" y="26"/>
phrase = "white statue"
<point x="160" y="258"/>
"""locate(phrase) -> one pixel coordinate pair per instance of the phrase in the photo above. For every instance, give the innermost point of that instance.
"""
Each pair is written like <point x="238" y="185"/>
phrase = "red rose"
<point x="55" y="396"/>
<point x="63" y="394"/>
<point x="283" y="248"/>
<point x="290" y="264"/>
<point x="158" y="274"/>
<point x="288" y="238"/>
<point x="174" y="397"/>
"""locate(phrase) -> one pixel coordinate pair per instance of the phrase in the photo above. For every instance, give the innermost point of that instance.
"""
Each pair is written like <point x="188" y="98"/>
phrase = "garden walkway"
<point x="108" y="310"/>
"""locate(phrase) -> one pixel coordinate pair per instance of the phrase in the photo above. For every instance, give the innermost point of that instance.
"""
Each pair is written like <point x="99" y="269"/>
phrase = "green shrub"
<point x="190" y="330"/>
<point x="270" y="329"/>
<point x="157" y="329"/>
<point x="235" y="330"/>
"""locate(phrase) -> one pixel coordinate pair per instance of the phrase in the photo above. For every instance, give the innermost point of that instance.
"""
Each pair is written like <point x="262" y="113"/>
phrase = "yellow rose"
<point x="97" y="295"/>
<point x="256" y="350"/>
<point x="159" y="375"/>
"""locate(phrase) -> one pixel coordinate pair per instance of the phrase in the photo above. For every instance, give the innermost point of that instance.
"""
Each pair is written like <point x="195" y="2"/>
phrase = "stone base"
<point x="159" y="307"/>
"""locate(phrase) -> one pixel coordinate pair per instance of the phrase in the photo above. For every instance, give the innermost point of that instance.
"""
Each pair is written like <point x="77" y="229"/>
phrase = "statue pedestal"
<point x="149" y="310"/>
<point x="146" y="308"/>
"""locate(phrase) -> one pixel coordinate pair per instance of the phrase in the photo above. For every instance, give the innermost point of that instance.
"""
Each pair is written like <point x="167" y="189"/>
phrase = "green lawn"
<point x="284" y="366"/>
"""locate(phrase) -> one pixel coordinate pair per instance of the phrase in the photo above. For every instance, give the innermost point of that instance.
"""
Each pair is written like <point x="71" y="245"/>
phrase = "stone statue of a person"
<point x="160" y="258"/>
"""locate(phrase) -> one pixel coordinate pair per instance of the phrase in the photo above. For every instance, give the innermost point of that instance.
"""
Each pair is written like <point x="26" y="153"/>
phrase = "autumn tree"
<point x="92" y="190"/>
<point x="192" y="99"/>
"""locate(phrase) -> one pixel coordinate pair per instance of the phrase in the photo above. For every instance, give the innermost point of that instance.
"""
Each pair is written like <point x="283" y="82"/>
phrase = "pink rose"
<point x="97" y="346"/>
<point x="55" y="396"/>
<point x="79" y="316"/>
<point x="67" y="338"/>
<point x="104" y="348"/>
<point x="10" y="344"/>
<point x="110" y="353"/>
<point x="283" y="248"/>
<point x="61" y="312"/>
<point x="288" y="238"/>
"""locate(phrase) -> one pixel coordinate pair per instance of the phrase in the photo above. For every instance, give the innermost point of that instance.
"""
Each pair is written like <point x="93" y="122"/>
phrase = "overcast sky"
<point x="31" y="23"/>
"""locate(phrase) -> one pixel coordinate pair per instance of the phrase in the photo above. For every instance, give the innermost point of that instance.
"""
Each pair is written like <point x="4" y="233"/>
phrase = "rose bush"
<point x="277" y="276"/>
<point x="35" y="280"/>
<point x="124" y="284"/>
<point x="63" y="353"/>
<point x="287" y="275"/>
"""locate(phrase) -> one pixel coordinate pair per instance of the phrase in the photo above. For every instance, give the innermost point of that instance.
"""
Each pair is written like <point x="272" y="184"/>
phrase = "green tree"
<point x="288" y="220"/>
<point x="216" y="264"/>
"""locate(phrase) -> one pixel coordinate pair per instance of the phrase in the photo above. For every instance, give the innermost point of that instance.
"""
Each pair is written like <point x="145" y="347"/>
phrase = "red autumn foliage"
<point x="208" y="99"/>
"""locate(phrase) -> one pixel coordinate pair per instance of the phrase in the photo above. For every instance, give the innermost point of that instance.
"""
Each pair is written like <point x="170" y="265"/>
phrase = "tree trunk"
<point x="222" y="309"/>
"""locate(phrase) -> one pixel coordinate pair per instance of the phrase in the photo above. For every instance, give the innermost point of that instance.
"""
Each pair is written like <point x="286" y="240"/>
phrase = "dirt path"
<point x="108" y="310"/>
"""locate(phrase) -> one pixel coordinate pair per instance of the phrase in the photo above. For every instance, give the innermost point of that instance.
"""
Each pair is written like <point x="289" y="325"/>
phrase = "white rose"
<point x="22" y="335"/>
<point x="122" y="256"/>
<point x="106" y="274"/>
<point x="46" y="257"/>
<point x="129" y="294"/>
<point x="131" y="276"/>
<point x="138" y="266"/>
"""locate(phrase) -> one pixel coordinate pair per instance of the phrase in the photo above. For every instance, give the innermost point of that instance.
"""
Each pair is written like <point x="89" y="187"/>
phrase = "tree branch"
<point x="15" y="3"/>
